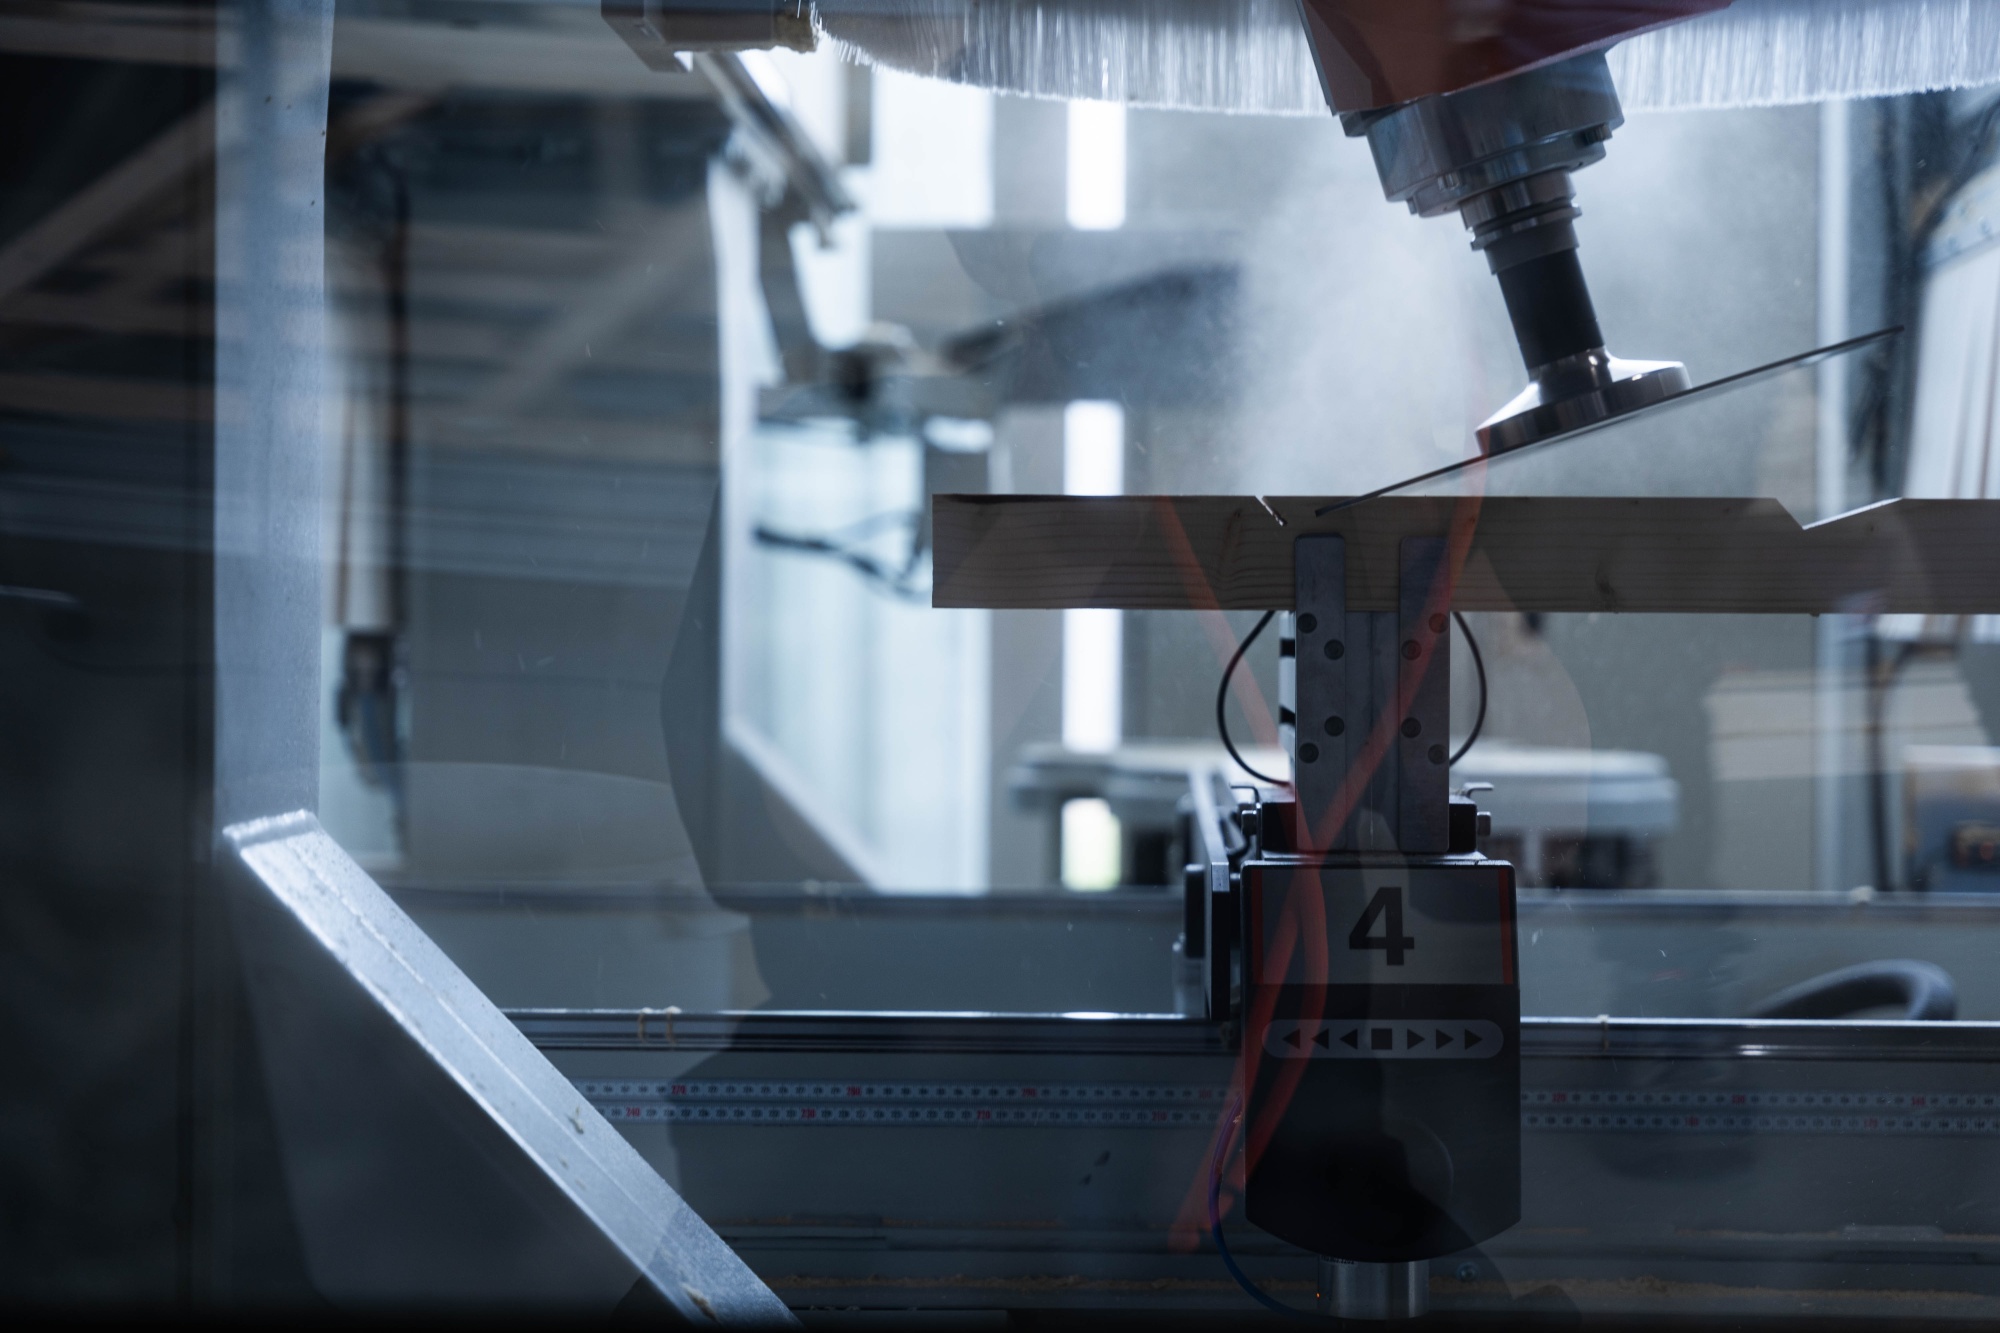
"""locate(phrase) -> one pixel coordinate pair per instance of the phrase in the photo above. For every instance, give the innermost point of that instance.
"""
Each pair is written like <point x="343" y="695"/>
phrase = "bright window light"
<point x="1093" y="693"/>
<point x="1096" y="165"/>
<point x="1093" y="699"/>
<point x="1093" y="449"/>
<point x="933" y="154"/>
<point x="770" y="80"/>
<point x="1090" y="845"/>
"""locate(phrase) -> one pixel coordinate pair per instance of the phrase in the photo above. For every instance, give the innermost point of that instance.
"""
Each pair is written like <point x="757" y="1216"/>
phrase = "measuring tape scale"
<point x="1197" y="1106"/>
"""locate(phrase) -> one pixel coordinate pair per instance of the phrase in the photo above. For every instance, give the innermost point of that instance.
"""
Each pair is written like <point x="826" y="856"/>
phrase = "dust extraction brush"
<point x="1252" y="55"/>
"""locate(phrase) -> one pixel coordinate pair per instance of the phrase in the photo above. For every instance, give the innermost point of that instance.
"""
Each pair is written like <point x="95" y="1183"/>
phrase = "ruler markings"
<point x="1183" y="1106"/>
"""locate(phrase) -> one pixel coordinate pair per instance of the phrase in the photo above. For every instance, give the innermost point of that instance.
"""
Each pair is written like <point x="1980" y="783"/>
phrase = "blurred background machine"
<point x="1574" y="819"/>
<point x="1565" y="819"/>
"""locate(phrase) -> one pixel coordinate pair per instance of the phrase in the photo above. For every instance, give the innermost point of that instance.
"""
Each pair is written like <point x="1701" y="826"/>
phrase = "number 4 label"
<point x="1387" y="907"/>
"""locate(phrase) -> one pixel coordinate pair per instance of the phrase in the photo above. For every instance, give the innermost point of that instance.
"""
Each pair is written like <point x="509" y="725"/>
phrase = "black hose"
<point x="1216" y="1163"/>
<point x="1478" y="665"/>
<point x="1228" y="672"/>
<point x="1924" y="990"/>
<point x="1222" y="697"/>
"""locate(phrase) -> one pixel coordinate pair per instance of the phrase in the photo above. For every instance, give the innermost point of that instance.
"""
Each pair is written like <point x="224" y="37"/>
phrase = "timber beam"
<point x="1511" y="553"/>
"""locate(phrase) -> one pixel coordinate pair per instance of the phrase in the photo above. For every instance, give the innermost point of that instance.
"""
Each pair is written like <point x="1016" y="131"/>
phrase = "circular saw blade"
<point x="1699" y="393"/>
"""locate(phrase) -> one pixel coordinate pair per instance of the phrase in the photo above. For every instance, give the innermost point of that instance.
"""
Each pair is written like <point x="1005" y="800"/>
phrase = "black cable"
<point x="875" y="523"/>
<point x="1221" y="1156"/>
<point x="1228" y="672"/>
<point x="1924" y="992"/>
<point x="1478" y="665"/>
<point x="1222" y="697"/>
<point x="894" y="581"/>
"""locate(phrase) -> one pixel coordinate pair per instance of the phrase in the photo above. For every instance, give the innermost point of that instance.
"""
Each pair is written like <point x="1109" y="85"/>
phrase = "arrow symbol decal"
<point x="1322" y="1038"/>
<point x="1352" y="1037"/>
<point x="1412" y="1038"/>
<point x="1471" y="1039"/>
<point x="1443" y="1038"/>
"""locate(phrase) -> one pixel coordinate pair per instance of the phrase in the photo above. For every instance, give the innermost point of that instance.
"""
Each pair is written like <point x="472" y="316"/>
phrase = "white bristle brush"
<point x="1251" y="55"/>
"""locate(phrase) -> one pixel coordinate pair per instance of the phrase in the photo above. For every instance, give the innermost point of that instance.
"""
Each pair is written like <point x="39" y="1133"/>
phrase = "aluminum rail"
<point x="833" y="1031"/>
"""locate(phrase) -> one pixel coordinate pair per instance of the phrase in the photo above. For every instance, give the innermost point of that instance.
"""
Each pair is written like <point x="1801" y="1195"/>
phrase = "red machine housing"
<point x="1378" y="53"/>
